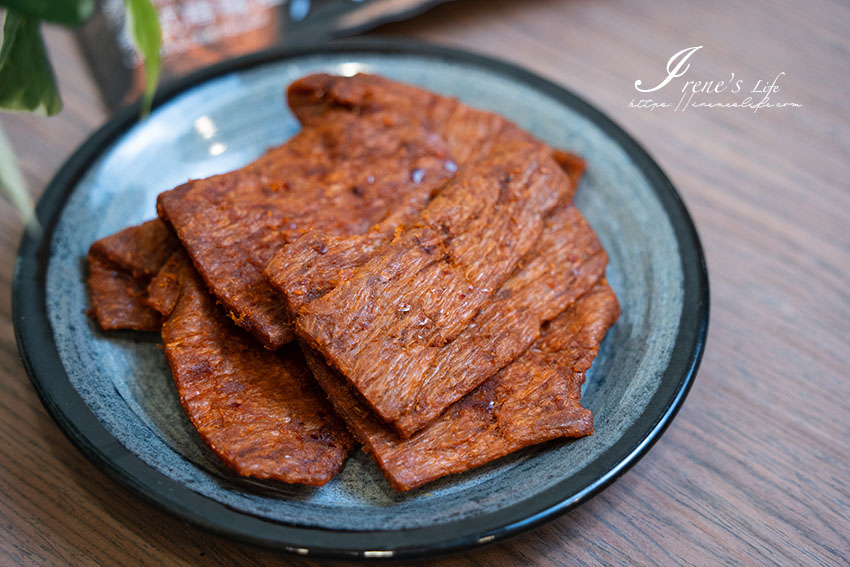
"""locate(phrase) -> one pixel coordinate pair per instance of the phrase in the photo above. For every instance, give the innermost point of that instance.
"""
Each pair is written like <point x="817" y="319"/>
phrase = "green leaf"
<point x="26" y="78"/>
<point x="66" y="12"/>
<point x="144" y="27"/>
<point x="12" y="181"/>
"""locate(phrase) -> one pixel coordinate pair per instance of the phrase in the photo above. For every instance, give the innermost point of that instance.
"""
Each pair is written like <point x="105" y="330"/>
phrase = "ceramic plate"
<point x="112" y="393"/>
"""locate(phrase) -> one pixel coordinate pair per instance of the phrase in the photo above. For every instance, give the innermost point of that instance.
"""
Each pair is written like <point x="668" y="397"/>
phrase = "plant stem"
<point x="12" y="183"/>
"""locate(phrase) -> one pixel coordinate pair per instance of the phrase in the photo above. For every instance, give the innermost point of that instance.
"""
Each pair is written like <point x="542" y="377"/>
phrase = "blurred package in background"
<point x="197" y="33"/>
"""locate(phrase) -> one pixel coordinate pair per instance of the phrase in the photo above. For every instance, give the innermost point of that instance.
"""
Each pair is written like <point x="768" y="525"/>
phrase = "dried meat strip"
<point x="569" y="261"/>
<point x="141" y="250"/>
<point x="118" y="298"/>
<point x="366" y="145"/>
<point x="535" y="399"/>
<point x="567" y="240"/>
<point x="259" y="411"/>
<point x="315" y="263"/>
<point x="424" y="288"/>
<point x="467" y="131"/>
<point x="120" y="268"/>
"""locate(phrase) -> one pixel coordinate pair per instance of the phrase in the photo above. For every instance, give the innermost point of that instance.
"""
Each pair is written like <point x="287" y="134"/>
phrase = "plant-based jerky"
<point x="141" y="250"/>
<point x="424" y="287"/>
<point x="260" y="411"/>
<point x="569" y="260"/>
<point x="120" y="268"/>
<point x="534" y="399"/>
<point x="315" y="267"/>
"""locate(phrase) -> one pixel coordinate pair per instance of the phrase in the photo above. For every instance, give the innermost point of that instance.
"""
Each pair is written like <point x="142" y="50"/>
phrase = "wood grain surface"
<point x="755" y="468"/>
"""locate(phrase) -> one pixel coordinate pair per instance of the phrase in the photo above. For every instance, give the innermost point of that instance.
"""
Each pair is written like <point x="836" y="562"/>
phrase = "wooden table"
<point x="755" y="469"/>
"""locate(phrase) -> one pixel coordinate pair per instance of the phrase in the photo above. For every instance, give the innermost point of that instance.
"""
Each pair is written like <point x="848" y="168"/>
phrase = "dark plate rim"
<point x="43" y="365"/>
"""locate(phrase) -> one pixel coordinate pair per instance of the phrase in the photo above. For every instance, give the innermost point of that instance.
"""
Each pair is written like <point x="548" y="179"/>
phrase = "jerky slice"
<point x="572" y="164"/>
<point x="259" y="411"/>
<point x="118" y="298"/>
<point x="141" y="250"/>
<point x="120" y="268"/>
<point x="535" y="399"/>
<point x="315" y="263"/>
<point x="568" y="262"/>
<point x="429" y="282"/>
<point x="367" y="143"/>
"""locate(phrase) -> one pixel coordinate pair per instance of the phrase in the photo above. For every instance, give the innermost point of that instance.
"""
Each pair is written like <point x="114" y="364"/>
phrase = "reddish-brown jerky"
<point x="367" y="144"/>
<point x="568" y="262"/>
<point x="120" y="268"/>
<point x="534" y="399"/>
<point x="165" y="288"/>
<point x="572" y="164"/>
<point x="424" y="288"/>
<point x="259" y="411"/>
<point x="118" y="298"/>
<point x="315" y="263"/>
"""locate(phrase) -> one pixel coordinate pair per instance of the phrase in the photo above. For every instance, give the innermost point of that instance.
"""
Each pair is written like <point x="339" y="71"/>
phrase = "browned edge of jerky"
<point x="573" y="164"/>
<point x="244" y="409"/>
<point x="254" y="304"/>
<point x="575" y="342"/>
<point x="529" y="172"/>
<point x="120" y="267"/>
<point x="315" y="263"/>
<point x="118" y="298"/>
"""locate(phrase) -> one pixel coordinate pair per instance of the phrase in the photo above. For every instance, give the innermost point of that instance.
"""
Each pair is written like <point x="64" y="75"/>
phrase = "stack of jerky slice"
<point x="407" y="272"/>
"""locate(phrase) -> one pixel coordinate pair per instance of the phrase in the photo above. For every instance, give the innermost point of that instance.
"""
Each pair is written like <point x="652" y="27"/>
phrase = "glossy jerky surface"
<point x="442" y="202"/>
<point x="259" y="411"/>
<point x="316" y="262"/>
<point x="120" y="268"/>
<point x="118" y="298"/>
<point x="568" y="262"/>
<point x="534" y="399"/>
<point x="367" y="143"/>
<point x="424" y="288"/>
<point x="141" y="250"/>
